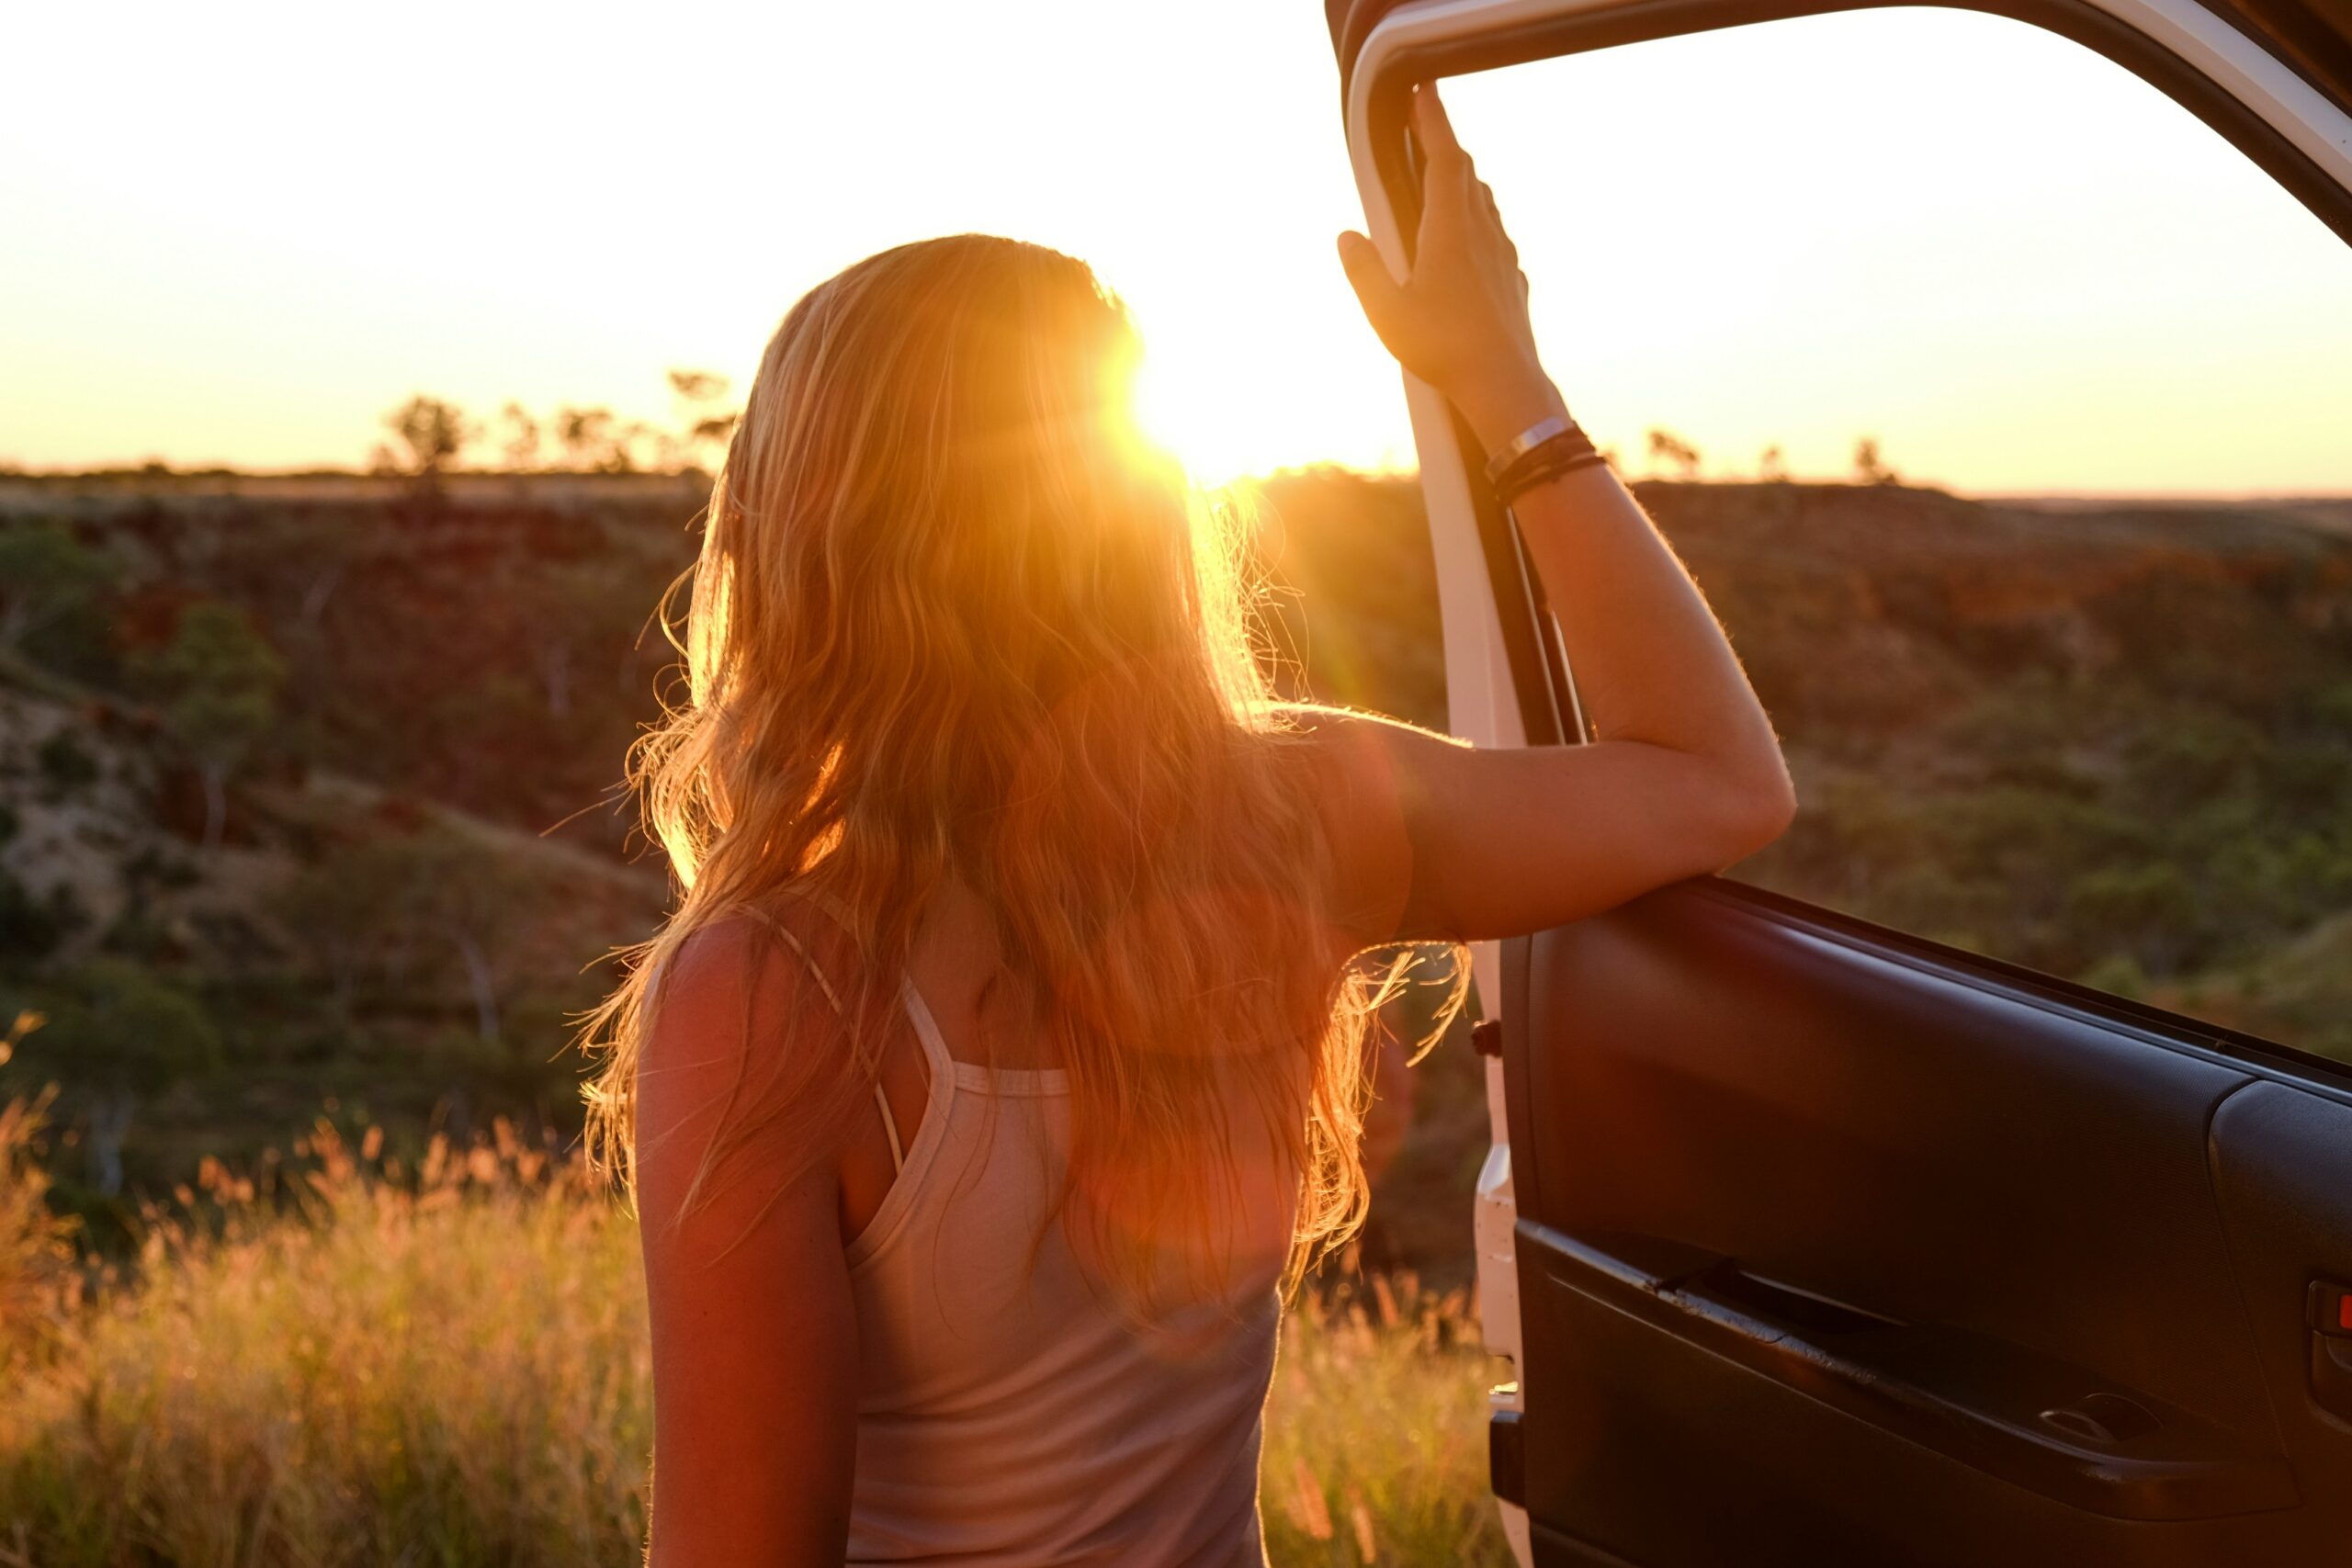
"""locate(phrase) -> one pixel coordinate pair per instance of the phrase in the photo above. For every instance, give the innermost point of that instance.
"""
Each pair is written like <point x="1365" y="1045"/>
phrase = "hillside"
<point x="306" y="785"/>
<point x="2107" y="741"/>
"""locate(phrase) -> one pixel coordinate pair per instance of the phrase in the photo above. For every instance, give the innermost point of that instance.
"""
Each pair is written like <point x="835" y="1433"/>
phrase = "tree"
<point x="625" y="454"/>
<point x="332" y="552"/>
<point x="465" y="893"/>
<point x="586" y="435"/>
<point x="46" y="577"/>
<point x="695" y="387"/>
<point x="521" y="447"/>
<point x="596" y="441"/>
<point x="707" y="428"/>
<point x="1867" y="468"/>
<point x="566" y="609"/>
<point x="1667" y="447"/>
<point x="337" y="914"/>
<point x="1774" y="465"/>
<point x="221" y="681"/>
<point x="127" y="1036"/>
<point x="434" y="433"/>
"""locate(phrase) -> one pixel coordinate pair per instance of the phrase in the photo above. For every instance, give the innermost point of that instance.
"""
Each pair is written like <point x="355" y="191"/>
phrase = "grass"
<point x="339" y="1359"/>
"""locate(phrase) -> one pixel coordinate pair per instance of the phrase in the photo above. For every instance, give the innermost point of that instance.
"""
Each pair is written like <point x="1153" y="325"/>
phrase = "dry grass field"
<point x="341" y="1359"/>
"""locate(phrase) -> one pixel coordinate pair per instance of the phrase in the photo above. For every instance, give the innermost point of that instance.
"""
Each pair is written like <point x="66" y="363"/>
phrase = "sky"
<point x="240" y="234"/>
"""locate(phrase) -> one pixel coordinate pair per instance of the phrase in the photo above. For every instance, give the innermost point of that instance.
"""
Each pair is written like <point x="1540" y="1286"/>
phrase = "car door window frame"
<point x="1508" y="679"/>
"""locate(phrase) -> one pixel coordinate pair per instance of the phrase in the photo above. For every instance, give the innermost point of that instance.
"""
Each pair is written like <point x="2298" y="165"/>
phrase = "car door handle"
<point x="2057" y="1429"/>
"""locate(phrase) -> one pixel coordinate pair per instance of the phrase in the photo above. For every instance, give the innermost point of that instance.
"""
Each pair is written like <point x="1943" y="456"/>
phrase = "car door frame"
<point x="1508" y="677"/>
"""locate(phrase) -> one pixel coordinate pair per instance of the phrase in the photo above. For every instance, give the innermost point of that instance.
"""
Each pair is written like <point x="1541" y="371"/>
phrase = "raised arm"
<point x="1686" y="776"/>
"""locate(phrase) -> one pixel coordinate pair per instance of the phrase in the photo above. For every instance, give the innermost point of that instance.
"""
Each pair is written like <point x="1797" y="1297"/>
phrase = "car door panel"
<point x="1779" y="1174"/>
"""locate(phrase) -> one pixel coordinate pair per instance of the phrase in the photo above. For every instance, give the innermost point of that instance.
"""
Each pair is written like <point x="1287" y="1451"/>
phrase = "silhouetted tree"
<point x="635" y="444"/>
<point x="707" y="428"/>
<point x="434" y="433"/>
<point x="1869" y="468"/>
<point x="1667" y="447"/>
<point x="586" y="434"/>
<point x="1773" y="465"/>
<point x="521" y="446"/>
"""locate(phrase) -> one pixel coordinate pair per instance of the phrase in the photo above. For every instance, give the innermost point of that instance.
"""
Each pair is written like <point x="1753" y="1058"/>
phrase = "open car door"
<point x="1814" y="1242"/>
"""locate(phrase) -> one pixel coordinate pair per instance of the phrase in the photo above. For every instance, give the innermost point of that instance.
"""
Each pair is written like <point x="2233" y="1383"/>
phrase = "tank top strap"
<point x="935" y="1044"/>
<point x="890" y="1125"/>
<point x="784" y="934"/>
<point x="941" y="1071"/>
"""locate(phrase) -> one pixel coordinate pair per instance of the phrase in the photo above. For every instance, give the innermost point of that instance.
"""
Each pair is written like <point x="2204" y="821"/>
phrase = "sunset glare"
<point x="239" y="234"/>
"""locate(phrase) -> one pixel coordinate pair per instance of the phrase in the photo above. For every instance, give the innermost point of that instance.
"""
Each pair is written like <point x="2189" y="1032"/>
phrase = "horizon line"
<point x="153" y="471"/>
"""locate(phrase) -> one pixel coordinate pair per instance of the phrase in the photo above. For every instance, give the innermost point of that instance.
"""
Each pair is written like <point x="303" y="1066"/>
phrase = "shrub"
<point x="123" y="1024"/>
<point x="2119" y="974"/>
<point x="38" y="1279"/>
<point x="30" y="926"/>
<point x="65" y="768"/>
<point x="2146" y="906"/>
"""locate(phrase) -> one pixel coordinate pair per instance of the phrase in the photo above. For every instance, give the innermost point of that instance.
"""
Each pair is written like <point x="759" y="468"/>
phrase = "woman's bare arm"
<point x="755" y="1339"/>
<point x="1686" y="776"/>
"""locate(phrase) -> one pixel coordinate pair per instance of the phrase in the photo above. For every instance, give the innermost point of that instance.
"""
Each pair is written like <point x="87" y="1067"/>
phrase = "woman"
<point x="1005" y="1056"/>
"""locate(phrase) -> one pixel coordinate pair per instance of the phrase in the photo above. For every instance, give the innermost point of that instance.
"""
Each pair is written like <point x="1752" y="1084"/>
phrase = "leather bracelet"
<point x="1550" y="456"/>
<point x="1545" y="473"/>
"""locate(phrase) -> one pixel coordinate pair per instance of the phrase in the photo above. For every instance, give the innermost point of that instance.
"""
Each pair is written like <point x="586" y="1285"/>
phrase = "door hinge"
<point x="1507" y="1457"/>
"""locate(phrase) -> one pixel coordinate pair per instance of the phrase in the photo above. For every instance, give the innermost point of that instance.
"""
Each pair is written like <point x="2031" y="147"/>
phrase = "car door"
<point x="1813" y="1241"/>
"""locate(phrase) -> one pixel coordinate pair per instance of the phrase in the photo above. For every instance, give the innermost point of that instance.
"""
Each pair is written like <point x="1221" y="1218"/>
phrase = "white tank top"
<point x="1011" y="1416"/>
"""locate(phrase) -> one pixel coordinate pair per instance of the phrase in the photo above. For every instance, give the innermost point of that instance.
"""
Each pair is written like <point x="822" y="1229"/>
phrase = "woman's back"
<point x="1007" y="1412"/>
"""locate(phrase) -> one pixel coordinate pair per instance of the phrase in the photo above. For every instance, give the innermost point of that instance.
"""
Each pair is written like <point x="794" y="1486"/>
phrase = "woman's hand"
<point x="1459" y="321"/>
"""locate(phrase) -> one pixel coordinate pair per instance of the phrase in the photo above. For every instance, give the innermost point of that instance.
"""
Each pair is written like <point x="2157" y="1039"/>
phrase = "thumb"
<point x="1376" y="291"/>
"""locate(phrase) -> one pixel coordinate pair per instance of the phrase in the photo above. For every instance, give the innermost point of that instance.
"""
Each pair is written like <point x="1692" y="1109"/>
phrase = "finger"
<point x="1430" y="122"/>
<point x="1376" y="291"/>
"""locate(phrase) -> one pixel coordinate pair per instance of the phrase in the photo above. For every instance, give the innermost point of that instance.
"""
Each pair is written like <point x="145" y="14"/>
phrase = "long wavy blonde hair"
<point x="952" y="618"/>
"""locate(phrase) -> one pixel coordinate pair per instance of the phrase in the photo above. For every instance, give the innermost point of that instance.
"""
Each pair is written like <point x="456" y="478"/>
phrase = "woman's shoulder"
<point x="1351" y="768"/>
<point x="763" y="972"/>
<point x="743" y="1015"/>
<point x="778" y="943"/>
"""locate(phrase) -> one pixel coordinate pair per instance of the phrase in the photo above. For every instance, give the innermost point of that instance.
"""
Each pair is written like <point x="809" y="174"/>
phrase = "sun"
<point x="1187" y="406"/>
